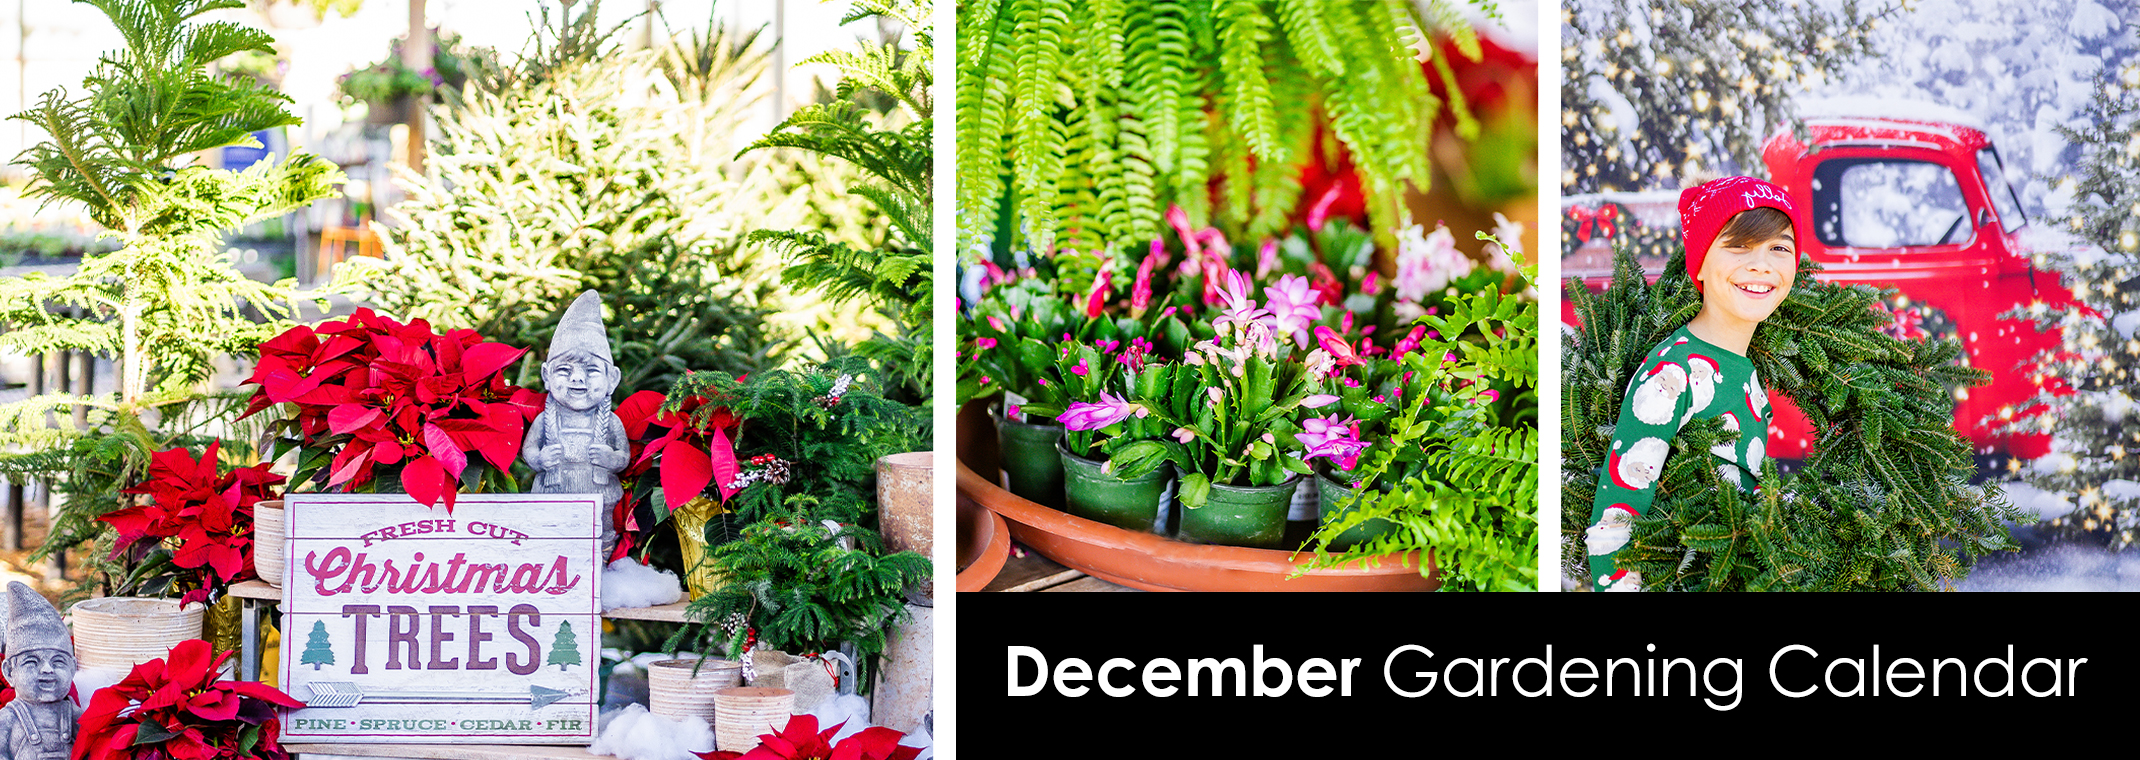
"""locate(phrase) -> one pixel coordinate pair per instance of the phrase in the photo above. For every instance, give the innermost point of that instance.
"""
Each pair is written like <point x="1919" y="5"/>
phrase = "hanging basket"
<point x="743" y="713"/>
<point x="675" y="691"/>
<point x="268" y="549"/>
<point x="117" y="633"/>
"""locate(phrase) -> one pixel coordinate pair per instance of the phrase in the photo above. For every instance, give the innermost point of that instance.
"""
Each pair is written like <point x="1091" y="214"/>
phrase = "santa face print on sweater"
<point x="1684" y="379"/>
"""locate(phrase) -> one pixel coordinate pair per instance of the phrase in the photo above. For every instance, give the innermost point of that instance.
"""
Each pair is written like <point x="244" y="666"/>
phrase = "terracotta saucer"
<point x="984" y="545"/>
<point x="1156" y="563"/>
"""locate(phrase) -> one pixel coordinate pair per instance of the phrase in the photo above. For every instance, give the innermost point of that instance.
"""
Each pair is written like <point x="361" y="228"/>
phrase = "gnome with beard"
<point x="39" y="660"/>
<point x="578" y="445"/>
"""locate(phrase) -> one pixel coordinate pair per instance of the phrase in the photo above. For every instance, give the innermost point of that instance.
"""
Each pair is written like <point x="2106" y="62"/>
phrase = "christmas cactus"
<point x="1228" y="405"/>
<point x="375" y="404"/>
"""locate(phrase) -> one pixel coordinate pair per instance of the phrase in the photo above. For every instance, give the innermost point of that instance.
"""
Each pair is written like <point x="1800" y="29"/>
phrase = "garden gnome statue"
<point x="39" y="662"/>
<point x="577" y="444"/>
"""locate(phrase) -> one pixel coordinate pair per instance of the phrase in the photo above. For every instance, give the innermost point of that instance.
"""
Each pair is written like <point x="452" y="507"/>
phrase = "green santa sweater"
<point x="1684" y="379"/>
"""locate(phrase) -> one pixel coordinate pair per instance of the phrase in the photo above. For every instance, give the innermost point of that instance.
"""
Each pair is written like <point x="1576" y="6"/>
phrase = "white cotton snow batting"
<point x="635" y="734"/>
<point x="88" y="680"/>
<point x="626" y="583"/>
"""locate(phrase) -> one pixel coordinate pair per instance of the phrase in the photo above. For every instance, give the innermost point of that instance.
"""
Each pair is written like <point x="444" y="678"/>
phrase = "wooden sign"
<point x="403" y="623"/>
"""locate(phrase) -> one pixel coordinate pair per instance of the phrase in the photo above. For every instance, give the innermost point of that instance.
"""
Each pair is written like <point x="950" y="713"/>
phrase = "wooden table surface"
<point x="1033" y="572"/>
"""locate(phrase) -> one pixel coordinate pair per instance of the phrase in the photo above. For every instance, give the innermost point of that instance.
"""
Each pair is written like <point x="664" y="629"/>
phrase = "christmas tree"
<point x="1882" y="502"/>
<point x="2093" y="448"/>
<point x="565" y="648"/>
<point x="318" y="650"/>
<point x="168" y="303"/>
<point x="1654" y="90"/>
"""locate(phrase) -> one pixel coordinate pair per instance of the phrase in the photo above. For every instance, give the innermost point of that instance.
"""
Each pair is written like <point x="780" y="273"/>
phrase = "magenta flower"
<point x="1081" y="370"/>
<point x="995" y="323"/>
<point x="1110" y="410"/>
<point x="1339" y="350"/>
<point x="1179" y="220"/>
<point x="1014" y="412"/>
<point x="1490" y="396"/>
<point x="1334" y="439"/>
<point x="1318" y="401"/>
<point x="1372" y="284"/>
<point x="984" y="343"/>
<point x="1101" y="287"/>
<point x="1320" y="211"/>
<point x="1267" y="258"/>
<point x="1140" y="293"/>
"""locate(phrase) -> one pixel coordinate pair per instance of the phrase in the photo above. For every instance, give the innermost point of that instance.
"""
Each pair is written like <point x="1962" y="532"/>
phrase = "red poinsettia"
<point x="379" y="396"/>
<point x="801" y="740"/>
<point x="174" y="708"/>
<point x="691" y="445"/>
<point x="695" y="444"/>
<point x="203" y="514"/>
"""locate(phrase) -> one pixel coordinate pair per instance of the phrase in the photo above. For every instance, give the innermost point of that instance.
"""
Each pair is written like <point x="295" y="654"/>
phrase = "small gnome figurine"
<point x="39" y="658"/>
<point x="577" y="445"/>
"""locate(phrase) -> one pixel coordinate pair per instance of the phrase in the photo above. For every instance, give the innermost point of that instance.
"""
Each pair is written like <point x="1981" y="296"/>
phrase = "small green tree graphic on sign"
<point x="565" y="649"/>
<point x="318" y="650"/>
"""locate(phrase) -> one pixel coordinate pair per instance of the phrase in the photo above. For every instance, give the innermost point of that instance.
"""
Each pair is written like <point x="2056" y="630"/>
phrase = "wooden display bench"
<point x="257" y="597"/>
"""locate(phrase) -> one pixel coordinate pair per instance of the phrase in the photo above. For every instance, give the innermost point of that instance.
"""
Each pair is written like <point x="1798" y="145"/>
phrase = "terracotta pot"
<point x="743" y="713"/>
<point x="1094" y="494"/>
<point x="984" y="545"/>
<point x="269" y="524"/>
<point x="1330" y="494"/>
<point x="906" y="499"/>
<point x="117" y="633"/>
<point x="1241" y="516"/>
<point x="1029" y="460"/>
<point x="682" y="689"/>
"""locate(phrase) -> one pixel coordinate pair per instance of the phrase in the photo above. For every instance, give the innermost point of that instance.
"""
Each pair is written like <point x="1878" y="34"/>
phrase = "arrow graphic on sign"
<point x="346" y="694"/>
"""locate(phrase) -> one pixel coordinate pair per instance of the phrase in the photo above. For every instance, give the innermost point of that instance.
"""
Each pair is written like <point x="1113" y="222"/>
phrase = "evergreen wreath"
<point x="1882" y="503"/>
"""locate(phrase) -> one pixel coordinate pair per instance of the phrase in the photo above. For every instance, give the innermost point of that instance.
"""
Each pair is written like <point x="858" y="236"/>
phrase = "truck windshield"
<point x="2002" y="194"/>
<point x="1888" y="203"/>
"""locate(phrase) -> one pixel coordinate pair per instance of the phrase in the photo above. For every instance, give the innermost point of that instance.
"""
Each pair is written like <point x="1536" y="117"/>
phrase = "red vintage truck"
<point x="1918" y="203"/>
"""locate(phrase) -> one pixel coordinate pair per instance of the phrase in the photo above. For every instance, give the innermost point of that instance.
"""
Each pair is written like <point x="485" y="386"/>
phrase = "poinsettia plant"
<point x="677" y="453"/>
<point x="175" y="708"/>
<point x="377" y="405"/>
<point x="800" y="740"/>
<point x="193" y="531"/>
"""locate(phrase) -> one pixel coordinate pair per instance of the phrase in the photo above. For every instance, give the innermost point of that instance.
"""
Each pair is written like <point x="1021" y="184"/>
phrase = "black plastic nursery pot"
<point x="1094" y="494"/>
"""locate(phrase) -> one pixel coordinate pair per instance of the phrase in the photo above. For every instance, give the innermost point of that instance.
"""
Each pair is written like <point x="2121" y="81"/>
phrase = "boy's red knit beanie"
<point x="1704" y="209"/>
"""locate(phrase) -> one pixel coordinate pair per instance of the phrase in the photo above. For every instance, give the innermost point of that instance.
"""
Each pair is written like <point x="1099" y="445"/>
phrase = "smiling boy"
<point x="1741" y="238"/>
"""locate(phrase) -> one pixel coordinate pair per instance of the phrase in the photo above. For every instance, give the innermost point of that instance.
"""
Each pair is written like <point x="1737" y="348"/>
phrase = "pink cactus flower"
<point x="1318" y="401"/>
<point x="1184" y="434"/>
<point x="984" y="343"/>
<point x="1140" y="292"/>
<point x="1266" y="258"/>
<point x="1292" y="302"/>
<point x="1090" y="416"/>
<point x="1332" y="438"/>
<point x="1339" y="350"/>
<point x="1097" y="299"/>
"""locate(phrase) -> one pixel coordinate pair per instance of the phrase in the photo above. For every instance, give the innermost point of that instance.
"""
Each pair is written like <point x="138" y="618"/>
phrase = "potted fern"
<point x="168" y="302"/>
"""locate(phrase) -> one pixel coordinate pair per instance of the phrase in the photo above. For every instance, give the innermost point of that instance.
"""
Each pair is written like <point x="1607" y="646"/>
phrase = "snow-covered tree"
<point x="2025" y="69"/>
<point x="1654" y="92"/>
<point x="2095" y="464"/>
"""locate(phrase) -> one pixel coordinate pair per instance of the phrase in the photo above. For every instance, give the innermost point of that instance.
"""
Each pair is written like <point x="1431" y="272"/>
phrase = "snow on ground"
<point x="2068" y="567"/>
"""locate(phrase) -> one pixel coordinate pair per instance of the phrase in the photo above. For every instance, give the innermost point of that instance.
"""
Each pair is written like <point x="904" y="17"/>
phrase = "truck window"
<point x="2001" y="193"/>
<point x="1888" y="203"/>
